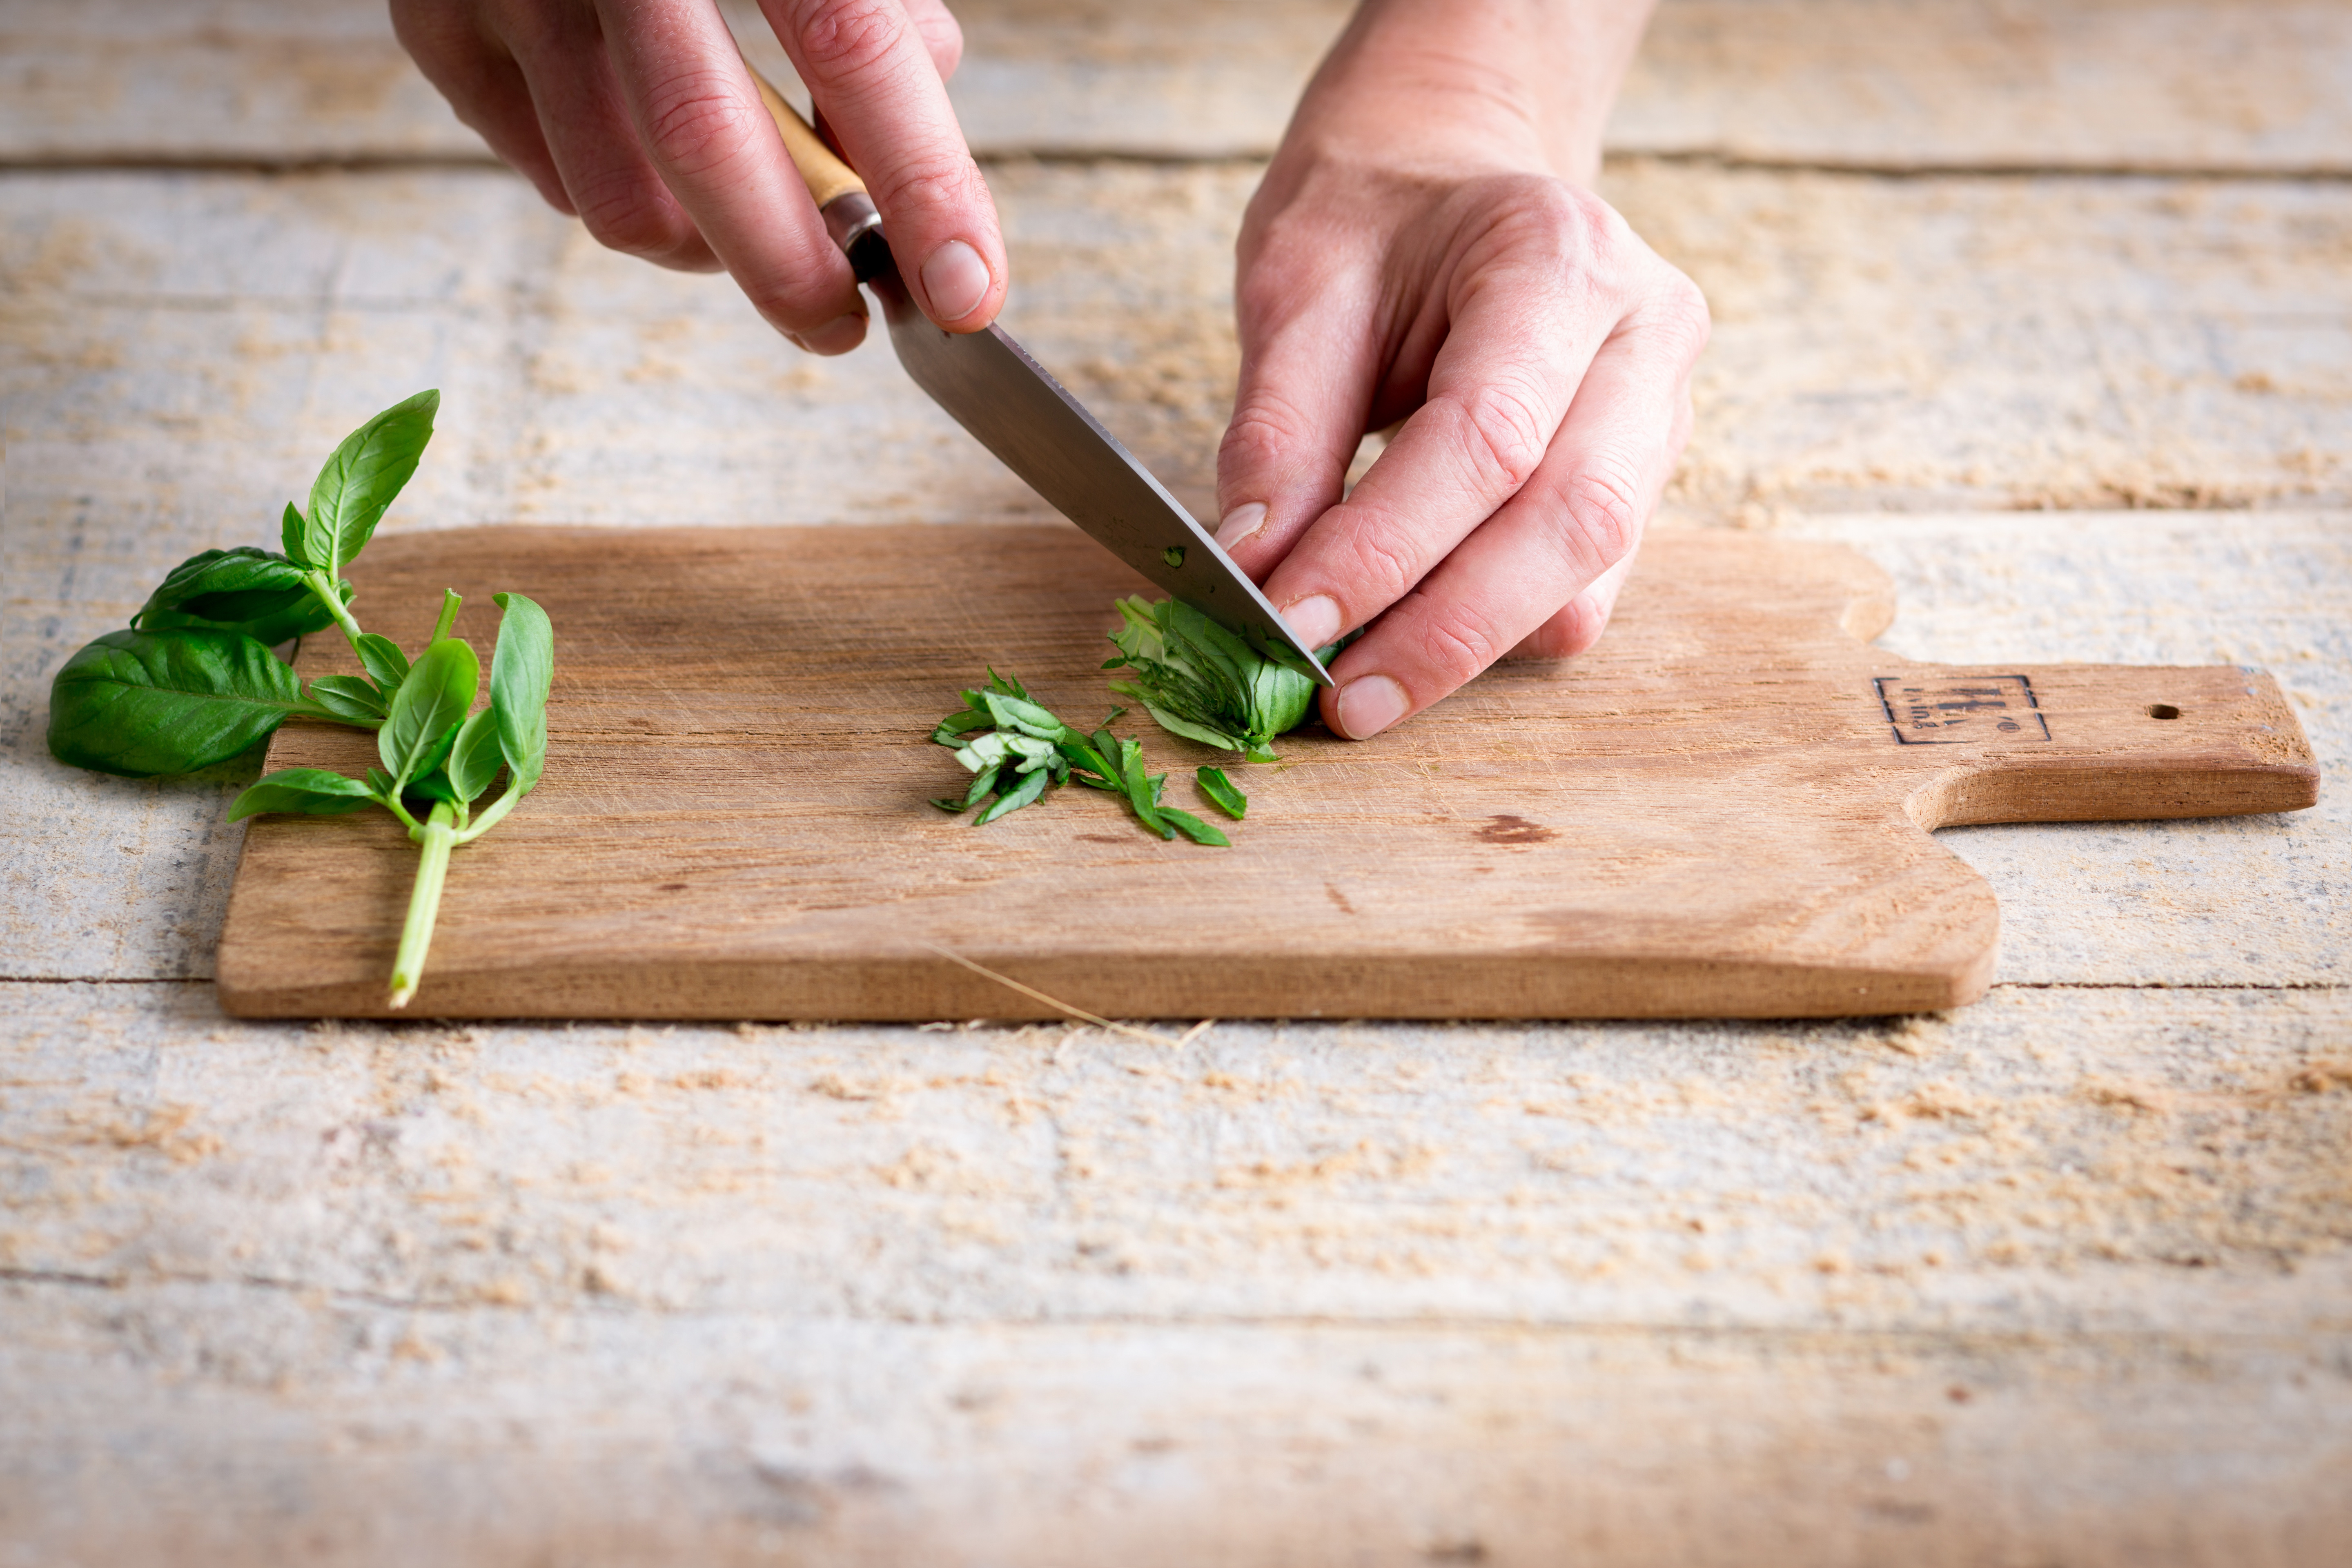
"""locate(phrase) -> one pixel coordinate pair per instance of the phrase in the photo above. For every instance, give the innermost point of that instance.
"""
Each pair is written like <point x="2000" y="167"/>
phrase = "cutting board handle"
<point x="840" y="196"/>
<point x="2087" y="743"/>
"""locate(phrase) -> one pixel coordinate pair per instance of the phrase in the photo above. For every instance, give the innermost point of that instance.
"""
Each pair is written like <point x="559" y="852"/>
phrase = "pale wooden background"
<point x="2058" y="1278"/>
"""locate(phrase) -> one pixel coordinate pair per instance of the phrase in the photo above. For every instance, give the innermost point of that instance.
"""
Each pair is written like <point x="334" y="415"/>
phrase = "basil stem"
<point x="438" y="837"/>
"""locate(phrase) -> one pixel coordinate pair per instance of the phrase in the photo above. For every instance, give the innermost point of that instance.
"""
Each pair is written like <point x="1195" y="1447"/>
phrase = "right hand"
<point x="640" y="118"/>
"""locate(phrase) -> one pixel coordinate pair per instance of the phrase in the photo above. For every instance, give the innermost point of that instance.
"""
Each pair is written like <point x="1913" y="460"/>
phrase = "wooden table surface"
<point x="2060" y="1276"/>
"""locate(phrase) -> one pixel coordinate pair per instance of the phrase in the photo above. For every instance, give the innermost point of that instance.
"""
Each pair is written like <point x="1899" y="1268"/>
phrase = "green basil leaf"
<point x="349" y="699"/>
<point x="313" y="791"/>
<point x="427" y="708"/>
<point x="1218" y="791"/>
<point x="1030" y="786"/>
<point x="522" y="672"/>
<point x="474" y="761"/>
<point x="431" y="786"/>
<point x="1014" y="713"/>
<point x="983" y="751"/>
<point x="349" y="496"/>
<point x="435" y="758"/>
<point x="257" y="591"/>
<point x="384" y="661"/>
<point x="1139" y="788"/>
<point x="956" y="725"/>
<point x="1193" y="827"/>
<point x="144" y="703"/>
<point x="981" y="788"/>
<point x="291" y="530"/>
<point x="381" y="783"/>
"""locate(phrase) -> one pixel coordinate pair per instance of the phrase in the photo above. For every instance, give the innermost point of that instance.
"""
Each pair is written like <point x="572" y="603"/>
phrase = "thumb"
<point x="1307" y="368"/>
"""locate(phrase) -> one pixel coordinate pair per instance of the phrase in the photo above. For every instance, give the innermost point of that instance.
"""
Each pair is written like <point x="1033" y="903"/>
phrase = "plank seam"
<point x="1890" y="169"/>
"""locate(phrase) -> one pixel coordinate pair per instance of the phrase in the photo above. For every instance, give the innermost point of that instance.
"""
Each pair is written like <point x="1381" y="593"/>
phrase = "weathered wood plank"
<point x="2100" y="84"/>
<point x="2123" y="1160"/>
<point x="1031" y="1294"/>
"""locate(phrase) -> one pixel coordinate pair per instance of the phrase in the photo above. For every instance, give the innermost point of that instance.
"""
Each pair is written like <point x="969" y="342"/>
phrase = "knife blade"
<point x="1012" y="406"/>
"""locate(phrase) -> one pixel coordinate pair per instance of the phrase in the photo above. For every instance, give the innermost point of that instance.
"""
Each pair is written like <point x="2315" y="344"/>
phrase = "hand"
<point x="1423" y="249"/>
<point x="640" y="118"/>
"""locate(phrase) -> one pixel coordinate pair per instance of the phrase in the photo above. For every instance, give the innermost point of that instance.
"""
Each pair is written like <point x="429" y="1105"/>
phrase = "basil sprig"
<point x="194" y="682"/>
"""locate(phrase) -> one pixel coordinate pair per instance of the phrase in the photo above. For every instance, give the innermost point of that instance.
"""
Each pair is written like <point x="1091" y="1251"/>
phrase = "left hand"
<point x="1414" y="253"/>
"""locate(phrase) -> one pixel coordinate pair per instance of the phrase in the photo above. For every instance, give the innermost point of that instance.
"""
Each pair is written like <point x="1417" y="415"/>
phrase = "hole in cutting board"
<point x="2162" y="710"/>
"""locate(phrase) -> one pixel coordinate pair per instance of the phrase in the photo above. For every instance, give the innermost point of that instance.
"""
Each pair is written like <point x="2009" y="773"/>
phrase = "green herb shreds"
<point x="1204" y="683"/>
<point x="1014" y="750"/>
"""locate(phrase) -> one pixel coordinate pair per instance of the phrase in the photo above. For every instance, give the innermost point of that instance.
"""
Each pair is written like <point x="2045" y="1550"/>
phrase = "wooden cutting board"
<point x="1722" y="810"/>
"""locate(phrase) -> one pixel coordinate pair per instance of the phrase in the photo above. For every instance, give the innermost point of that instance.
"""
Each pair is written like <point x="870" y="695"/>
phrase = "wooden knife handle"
<point x="840" y="196"/>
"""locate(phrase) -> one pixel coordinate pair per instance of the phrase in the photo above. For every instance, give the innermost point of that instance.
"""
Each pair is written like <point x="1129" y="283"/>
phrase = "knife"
<point x="989" y="385"/>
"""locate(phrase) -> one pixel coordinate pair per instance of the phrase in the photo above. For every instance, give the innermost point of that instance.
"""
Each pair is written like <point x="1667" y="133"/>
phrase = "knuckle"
<point x="1459" y="642"/>
<point x="623" y="214"/>
<point x="1604" y="512"/>
<point x="848" y="39"/>
<point x="937" y="180"/>
<point x="1381" y="564"/>
<point x="1264" y="430"/>
<point x="699" y="124"/>
<point x="1505" y="420"/>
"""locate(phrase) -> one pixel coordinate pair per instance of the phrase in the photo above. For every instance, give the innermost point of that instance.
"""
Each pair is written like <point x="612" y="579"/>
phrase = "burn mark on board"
<point x="1515" y="831"/>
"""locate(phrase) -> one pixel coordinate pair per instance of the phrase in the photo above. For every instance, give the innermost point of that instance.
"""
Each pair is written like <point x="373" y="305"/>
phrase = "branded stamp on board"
<point x="1961" y="710"/>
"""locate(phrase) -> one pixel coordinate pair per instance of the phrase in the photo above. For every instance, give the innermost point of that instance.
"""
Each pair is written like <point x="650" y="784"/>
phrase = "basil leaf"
<point x="522" y="672"/>
<point x="1218" y="791"/>
<point x="384" y="661"/>
<point x="349" y="699"/>
<point x="143" y="703"/>
<point x="1030" y="786"/>
<point x="1014" y="713"/>
<point x="257" y="591"/>
<point x="432" y="786"/>
<point x="350" y="495"/>
<point x="291" y="530"/>
<point x="1199" y="680"/>
<point x="313" y="791"/>
<point x="959" y="724"/>
<point x="1139" y="788"/>
<point x="429" y="707"/>
<point x="981" y="788"/>
<point x="380" y="782"/>
<point x="1198" y="831"/>
<point x="474" y="761"/>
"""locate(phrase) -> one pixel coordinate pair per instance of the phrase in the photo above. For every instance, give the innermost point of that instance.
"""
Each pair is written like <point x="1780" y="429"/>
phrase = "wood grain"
<point x="1722" y="811"/>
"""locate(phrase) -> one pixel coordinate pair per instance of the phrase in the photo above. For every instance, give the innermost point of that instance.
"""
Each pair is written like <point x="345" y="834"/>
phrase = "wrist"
<point x="1519" y="84"/>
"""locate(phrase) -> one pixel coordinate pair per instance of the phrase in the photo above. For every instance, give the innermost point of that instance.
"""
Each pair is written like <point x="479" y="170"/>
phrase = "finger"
<point x="942" y="35"/>
<point x="1579" y="516"/>
<point x="1308" y="361"/>
<point x="699" y="116"/>
<point x="1577" y="624"/>
<point x="870" y="71"/>
<point x="1532" y="299"/>
<point x="584" y="115"/>
<point x="483" y="86"/>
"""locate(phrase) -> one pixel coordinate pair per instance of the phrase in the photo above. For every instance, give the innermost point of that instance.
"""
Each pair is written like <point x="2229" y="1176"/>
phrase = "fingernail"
<point x="956" y="281"/>
<point x="1315" y="619"/>
<point x="1241" y="522"/>
<point x="1369" y="705"/>
<point x="838" y="336"/>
